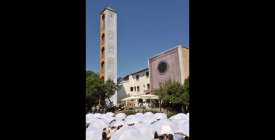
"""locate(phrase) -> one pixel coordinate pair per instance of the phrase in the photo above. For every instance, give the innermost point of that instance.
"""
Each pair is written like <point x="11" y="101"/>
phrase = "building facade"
<point x="108" y="47"/>
<point x="172" y="65"/>
<point x="135" y="84"/>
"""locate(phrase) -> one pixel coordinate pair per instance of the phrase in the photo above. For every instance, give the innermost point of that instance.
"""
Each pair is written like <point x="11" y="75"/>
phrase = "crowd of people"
<point x="101" y="108"/>
<point x="145" y="126"/>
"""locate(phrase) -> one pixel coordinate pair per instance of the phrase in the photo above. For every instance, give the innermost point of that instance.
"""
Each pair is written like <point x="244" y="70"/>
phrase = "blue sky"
<point x="145" y="29"/>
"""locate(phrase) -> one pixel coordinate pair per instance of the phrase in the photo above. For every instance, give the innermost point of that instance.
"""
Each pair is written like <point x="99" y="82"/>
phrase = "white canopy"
<point x="148" y="96"/>
<point x="129" y="98"/>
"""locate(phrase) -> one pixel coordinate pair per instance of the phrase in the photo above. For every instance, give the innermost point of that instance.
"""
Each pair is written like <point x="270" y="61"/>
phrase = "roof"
<point x="135" y="73"/>
<point x="138" y="71"/>
<point x="168" y="51"/>
<point x="108" y="8"/>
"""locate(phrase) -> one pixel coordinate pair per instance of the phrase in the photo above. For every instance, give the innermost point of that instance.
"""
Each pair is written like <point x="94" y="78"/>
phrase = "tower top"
<point x="108" y="8"/>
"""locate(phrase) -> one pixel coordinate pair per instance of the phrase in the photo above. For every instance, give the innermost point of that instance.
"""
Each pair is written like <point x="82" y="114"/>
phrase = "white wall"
<point x="132" y="82"/>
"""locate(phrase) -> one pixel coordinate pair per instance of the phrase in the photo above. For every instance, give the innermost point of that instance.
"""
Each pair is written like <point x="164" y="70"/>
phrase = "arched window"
<point x="103" y="37"/>
<point x="103" y="21"/>
<point x="102" y="66"/>
<point x="102" y="52"/>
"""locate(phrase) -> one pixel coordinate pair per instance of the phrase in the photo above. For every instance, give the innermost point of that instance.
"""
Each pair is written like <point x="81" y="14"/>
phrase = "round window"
<point x="162" y="67"/>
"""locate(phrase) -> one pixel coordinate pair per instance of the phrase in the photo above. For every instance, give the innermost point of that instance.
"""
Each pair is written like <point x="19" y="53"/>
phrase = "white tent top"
<point x="148" y="96"/>
<point x="129" y="98"/>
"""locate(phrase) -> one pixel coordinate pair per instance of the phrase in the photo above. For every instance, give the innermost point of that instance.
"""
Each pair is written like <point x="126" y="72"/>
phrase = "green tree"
<point x="174" y="94"/>
<point x="109" y="89"/>
<point x="94" y="88"/>
<point x="185" y="96"/>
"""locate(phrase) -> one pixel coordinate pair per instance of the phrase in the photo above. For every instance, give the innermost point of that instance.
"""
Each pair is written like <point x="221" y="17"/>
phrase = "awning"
<point x="148" y="96"/>
<point x="129" y="98"/>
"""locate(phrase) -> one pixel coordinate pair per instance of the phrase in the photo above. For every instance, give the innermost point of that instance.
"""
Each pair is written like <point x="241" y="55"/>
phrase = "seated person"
<point x="156" y="137"/>
<point x="179" y="136"/>
<point x="104" y="136"/>
<point x="166" y="137"/>
<point x="111" y="132"/>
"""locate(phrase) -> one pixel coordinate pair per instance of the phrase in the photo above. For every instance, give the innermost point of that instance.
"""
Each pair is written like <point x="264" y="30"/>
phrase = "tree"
<point x="94" y="88"/>
<point x="174" y="94"/>
<point x="161" y="92"/>
<point x="109" y="88"/>
<point x="185" y="98"/>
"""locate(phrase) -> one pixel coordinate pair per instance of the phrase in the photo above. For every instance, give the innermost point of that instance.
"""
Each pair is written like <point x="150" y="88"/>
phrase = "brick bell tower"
<point x="108" y="47"/>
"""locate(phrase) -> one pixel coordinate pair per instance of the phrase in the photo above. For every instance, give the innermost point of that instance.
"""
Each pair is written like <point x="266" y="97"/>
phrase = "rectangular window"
<point x="131" y="88"/>
<point x="126" y="78"/>
<point x="148" y="86"/>
<point x="147" y="74"/>
<point x="137" y="88"/>
<point x="137" y="77"/>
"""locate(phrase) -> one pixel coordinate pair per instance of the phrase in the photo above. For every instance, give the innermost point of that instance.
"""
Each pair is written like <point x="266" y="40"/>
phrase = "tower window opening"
<point x="103" y="21"/>
<point x="103" y="38"/>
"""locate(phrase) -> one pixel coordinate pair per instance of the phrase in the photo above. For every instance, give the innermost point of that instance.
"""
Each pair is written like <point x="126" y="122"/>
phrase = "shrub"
<point x="171" y="113"/>
<point x="129" y="112"/>
<point x="151" y="110"/>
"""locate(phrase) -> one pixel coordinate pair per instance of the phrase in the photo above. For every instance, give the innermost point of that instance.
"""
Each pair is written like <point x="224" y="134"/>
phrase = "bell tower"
<point x="108" y="47"/>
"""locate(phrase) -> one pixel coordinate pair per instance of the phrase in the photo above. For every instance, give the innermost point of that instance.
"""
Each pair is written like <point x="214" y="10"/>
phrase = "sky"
<point x="145" y="28"/>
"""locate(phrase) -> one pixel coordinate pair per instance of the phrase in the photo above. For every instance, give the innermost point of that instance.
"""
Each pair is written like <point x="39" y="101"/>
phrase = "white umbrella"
<point x="130" y="117"/>
<point x="89" y="115"/>
<point x="148" y="113"/>
<point x="118" y="123"/>
<point x="100" y="124"/>
<point x="91" y="120"/>
<point x="94" y="134"/>
<point x="131" y="121"/>
<point x="127" y="133"/>
<point x="181" y="121"/>
<point x="165" y="127"/>
<point x="120" y="116"/>
<point x="116" y="134"/>
<point x="112" y="123"/>
<point x="111" y="114"/>
<point x="98" y="115"/>
<point x="148" y="120"/>
<point x="134" y="117"/>
<point x="146" y="131"/>
<point x="107" y="118"/>
<point x="183" y="127"/>
<point x="160" y="116"/>
<point x="179" y="116"/>
<point x="139" y="114"/>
